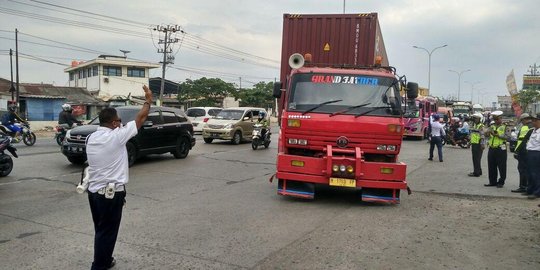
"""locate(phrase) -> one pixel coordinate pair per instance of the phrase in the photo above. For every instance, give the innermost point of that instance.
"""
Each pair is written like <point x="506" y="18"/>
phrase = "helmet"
<point x="12" y="107"/>
<point x="66" y="107"/>
<point x="262" y="114"/>
<point x="497" y="113"/>
<point x="524" y="116"/>
<point x="478" y="115"/>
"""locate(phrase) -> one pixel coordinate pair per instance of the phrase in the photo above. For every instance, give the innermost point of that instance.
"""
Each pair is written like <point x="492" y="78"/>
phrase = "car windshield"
<point x="126" y="115"/>
<point x="330" y="93"/>
<point x="230" y="114"/>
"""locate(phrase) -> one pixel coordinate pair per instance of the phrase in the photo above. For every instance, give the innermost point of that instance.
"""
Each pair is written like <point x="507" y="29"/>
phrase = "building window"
<point x="112" y="71"/>
<point x="71" y="76"/>
<point x="95" y="71"/>
<point x="80" y="73"/>
<point x="135" y="72"/>
<point x="85" y="73"/>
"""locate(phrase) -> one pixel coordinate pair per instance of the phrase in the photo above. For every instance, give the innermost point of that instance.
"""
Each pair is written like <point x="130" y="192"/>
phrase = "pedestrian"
<point x="477" y="144"/>
<point x="497" y="151"/>
<point x="437" y="135"/>
<point x="533" y="160"/>
<point x="520" y="153"/>
<point x="109" y="173"/>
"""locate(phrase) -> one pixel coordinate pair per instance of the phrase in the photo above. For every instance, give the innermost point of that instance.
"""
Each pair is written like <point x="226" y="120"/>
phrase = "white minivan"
<point x="200" y="115"/>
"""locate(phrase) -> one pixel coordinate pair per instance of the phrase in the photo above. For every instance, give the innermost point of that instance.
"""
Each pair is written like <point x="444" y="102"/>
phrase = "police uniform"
<point x="497" y="156"/>
<point x="533" y="159"/>
<point x="521" y="154"/>
<point x="477" y="148"/>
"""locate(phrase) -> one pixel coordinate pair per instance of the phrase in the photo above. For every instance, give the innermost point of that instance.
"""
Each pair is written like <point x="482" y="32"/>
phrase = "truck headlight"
<point x="391" y="148"/>
<point x="381" y="147"/>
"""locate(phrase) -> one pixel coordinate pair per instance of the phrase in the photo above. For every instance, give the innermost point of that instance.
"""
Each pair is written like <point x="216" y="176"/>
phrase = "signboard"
<point x="511" y="83"/>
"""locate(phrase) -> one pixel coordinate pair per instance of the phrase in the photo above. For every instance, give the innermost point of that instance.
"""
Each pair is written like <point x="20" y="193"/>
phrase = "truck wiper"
<point x="372" y="110"/>
<point x="350" y="108"/>
<point x="320" y="105"/>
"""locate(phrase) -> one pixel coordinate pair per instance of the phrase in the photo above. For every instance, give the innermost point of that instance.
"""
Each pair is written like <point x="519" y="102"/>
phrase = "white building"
<point x="110" y="76"/>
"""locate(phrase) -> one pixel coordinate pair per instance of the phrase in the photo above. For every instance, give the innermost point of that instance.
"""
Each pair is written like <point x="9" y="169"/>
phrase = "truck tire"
<point x="208" y="140"/>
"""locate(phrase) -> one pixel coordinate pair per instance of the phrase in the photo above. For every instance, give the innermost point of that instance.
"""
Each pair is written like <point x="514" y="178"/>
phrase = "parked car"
<point x="234" y="124"/>
<point x="200" y="115"/>
<point x="165" y="130"/>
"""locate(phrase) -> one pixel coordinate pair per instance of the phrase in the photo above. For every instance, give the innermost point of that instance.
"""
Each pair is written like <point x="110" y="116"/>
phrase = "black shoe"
<point x="519" y="190"/>
<point x="113" y="263"/>
<point x="430" y="159"/>
<point x="440" y="160"/>
<point x="490" y="185"/>
<point x="473" y="175"/>
<point x="500" y="186"/>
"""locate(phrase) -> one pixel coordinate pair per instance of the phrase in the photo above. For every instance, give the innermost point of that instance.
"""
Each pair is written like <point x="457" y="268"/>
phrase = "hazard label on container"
<point x="326" y="47"/>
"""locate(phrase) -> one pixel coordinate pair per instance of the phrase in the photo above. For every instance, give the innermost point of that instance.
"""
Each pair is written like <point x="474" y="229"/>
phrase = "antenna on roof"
<point x="125" y="52"/>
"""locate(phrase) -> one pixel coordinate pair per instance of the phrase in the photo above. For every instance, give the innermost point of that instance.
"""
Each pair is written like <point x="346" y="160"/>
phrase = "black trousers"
<point x="533" y="159"/>
<point x="523" y="172"/>
<point x="477" y="152"/>
<point x="106" y="214"/>
<point x="497" y="161"/>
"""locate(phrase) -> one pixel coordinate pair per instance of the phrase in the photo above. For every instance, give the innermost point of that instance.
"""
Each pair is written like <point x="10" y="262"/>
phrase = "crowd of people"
<point x="492" y="133"/>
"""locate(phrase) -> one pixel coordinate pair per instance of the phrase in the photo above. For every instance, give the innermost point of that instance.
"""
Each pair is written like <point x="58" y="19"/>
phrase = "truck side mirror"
<point x="277" y="89"/>
<point x="412" y="90"/>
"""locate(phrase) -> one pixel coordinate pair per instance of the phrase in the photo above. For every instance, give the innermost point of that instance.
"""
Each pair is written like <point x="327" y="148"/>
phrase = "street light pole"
<point x="472" y="88"/>
<point x="459" y="79"/>
<point x="429" y="60"/>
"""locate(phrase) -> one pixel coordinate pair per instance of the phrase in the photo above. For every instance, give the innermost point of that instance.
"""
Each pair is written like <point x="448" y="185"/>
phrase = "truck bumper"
<point x="380" y="180"/>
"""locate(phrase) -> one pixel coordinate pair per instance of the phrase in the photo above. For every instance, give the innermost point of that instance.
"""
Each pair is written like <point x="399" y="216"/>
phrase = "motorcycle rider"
<point x="9" y="119"/>
<point x="264" y="122"/>
<point x="66" y="118"/>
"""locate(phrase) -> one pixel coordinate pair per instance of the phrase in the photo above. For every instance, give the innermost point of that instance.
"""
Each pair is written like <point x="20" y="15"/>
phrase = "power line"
<point x="48" y="45"/>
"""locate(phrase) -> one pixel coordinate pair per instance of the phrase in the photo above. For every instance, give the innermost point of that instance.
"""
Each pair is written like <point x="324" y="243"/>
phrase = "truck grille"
<point x="77" y="138"/>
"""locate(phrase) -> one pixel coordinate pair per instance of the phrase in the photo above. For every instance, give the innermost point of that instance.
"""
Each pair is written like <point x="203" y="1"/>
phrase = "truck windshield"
<point x="411" y="113"/>
<point x="310" y="90"/>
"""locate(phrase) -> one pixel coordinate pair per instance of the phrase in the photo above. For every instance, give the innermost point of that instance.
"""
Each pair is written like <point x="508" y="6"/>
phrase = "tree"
<point x="205" y="92"/>
<point x="527" y="97"/>
<point x="258" y="96"/>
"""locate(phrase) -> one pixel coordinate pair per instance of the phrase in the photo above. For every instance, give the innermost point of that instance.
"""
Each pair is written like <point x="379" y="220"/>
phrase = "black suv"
<point x="165" y="130"/>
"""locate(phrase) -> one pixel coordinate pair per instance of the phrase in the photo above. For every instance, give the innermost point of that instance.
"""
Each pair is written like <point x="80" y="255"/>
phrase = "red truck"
<point x="340" y="108"/>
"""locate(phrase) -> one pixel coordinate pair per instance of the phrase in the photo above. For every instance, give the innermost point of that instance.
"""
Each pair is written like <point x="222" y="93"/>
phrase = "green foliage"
<point x="205" y="91"/>
<point x="528" y="96"/>
<point x="258" y="96"/>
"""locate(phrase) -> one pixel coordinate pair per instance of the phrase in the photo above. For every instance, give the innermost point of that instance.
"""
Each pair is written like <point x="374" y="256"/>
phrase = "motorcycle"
<point x="28" y="136"/>
<point x="6" y="163"/>
<point x="258" y="138"/>
<point x="61" y="131"/>
<point x="462" y="140"/>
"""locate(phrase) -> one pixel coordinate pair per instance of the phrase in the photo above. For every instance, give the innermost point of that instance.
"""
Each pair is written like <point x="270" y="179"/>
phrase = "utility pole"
<point x="240" y="84"/>
<point x="534" y="70"/>
<point x="12" y="88"/>
<point x="343" y="6"/>
<point x="17" y="66"/>
<point x="167" y="41"/>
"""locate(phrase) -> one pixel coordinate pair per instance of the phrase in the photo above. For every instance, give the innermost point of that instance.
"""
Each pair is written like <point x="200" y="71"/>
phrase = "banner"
<point x="511" y="83"/>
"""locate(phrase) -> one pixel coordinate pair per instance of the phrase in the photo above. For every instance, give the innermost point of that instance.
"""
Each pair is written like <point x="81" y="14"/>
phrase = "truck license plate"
<point x="342" y="182"/>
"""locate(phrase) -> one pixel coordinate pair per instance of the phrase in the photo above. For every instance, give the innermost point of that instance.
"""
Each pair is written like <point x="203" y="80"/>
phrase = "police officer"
<point x="497" y="152"/>
<point x="521" y="152"/>
<point x="477" y="144"/>
<point x="533" y="159"/>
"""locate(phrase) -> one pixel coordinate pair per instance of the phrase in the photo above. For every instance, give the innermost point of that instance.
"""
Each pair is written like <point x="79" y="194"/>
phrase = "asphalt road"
<point x="217" y="210"/>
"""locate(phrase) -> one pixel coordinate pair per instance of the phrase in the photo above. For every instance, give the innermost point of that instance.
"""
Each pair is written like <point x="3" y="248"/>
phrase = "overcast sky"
<point x="489" y="37"/>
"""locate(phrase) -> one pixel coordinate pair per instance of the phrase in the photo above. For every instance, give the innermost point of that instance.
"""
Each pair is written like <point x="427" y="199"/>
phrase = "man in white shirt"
<point x="109" y="172"/>
<point x="533" y="160"/>
<point x="437" y="135"/>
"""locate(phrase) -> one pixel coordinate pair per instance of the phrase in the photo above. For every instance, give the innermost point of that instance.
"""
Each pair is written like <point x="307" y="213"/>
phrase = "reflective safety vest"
<point x="521" y="135"/>
<point x="476" y="136"/>
<point x="495" y="141"/>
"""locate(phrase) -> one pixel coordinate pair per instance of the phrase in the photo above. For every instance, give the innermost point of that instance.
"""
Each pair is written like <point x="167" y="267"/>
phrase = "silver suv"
<point x="234" y="124"/>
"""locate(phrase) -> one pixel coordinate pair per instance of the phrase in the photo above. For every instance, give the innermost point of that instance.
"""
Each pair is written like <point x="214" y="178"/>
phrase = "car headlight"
<point x="227" y="126"/>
